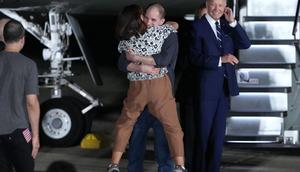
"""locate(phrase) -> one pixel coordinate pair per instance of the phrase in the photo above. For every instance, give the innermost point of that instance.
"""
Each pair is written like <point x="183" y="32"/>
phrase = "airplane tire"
<point x="88" y="117"/>
<point x="62" y="123"/>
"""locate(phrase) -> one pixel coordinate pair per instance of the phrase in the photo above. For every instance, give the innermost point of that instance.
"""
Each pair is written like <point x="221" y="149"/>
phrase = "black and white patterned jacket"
<point x="146" y="45"/>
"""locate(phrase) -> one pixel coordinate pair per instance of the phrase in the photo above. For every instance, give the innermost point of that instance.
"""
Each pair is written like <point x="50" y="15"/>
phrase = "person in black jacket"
<point x="185" y="94"/>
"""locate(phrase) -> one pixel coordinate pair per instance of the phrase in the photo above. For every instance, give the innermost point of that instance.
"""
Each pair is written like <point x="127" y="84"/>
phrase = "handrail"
<point x="235" y="9"/>
<point x="296" y="19"/>
<point x="296" y="43"/>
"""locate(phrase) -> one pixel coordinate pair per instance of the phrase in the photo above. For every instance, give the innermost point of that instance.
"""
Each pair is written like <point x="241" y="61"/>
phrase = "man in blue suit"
<point x="212" y="52"/>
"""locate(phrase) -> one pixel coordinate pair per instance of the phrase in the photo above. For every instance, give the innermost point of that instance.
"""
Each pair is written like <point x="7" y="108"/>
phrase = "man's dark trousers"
<point x="15" y="149"/>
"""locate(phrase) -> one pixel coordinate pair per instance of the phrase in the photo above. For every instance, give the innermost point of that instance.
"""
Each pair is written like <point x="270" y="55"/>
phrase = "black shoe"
<point x="113" y="168"/>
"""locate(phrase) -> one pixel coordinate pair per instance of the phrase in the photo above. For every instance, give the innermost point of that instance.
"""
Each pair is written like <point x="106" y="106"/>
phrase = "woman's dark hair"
<point x="129" y="22"/>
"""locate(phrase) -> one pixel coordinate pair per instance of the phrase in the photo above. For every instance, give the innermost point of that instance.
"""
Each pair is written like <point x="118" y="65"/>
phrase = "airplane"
<point x="58" y="126"/>
<point x="105" y="7"/>
<point x="267" y="109"/>
<point x="52" y="23"/>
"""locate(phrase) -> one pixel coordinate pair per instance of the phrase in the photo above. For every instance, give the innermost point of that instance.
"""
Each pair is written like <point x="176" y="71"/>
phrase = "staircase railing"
<point x="296" y="20"/>
<point x="296" y="43"/>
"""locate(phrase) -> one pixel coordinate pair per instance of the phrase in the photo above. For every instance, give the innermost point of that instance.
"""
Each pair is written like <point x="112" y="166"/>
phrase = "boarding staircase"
<point x="267" y="75"/>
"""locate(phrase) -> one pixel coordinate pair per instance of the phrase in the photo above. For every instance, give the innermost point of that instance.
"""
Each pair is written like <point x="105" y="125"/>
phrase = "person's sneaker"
<point x="179" y="168"/>
<point x="113" y="168"/>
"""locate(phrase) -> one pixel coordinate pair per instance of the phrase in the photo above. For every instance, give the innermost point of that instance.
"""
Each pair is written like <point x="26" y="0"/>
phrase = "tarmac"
<point x="235" y="158"/>
<point x="241" y="158"/>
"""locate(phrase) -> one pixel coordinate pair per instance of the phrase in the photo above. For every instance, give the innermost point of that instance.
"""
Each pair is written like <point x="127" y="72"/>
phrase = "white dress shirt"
<point x="212" y="24"/>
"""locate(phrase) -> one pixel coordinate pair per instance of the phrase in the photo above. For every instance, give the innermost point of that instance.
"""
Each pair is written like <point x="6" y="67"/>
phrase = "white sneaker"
<point x="113" y="168"/>
<point x="179" y="168"/>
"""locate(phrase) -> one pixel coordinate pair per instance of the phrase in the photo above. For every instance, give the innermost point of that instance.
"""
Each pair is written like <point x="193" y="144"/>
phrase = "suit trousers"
<point x="210" y="131"/>
<point x="157" y="95"/>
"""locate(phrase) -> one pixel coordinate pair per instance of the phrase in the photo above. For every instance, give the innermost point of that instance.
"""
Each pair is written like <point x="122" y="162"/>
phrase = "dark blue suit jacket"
<point x="205" y="55"/>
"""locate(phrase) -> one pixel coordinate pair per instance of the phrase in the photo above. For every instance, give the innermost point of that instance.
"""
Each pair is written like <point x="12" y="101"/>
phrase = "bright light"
<point x="189" y="17"/>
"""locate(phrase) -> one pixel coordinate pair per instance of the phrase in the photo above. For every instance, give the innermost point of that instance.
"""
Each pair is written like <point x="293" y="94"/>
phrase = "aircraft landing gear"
<point x="62" y="123"/>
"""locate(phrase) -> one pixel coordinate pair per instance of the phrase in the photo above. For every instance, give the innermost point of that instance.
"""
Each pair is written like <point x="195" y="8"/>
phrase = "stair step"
<point x="273" y="41"/>
<point x="264" y="53"/>
<point x="272" y="30"/>
<point x="266" y="90"/>
<point x="255" y="141"/>
<point x="254" y="126"/>
<point x="259" y="102"/>
<point x="271" y="8"/>
<point x="264" y="78"/>
<point x="268" y="18"/>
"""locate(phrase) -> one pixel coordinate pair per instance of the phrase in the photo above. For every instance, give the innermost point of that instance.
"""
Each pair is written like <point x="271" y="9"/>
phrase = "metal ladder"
<point x="265" y="73"/>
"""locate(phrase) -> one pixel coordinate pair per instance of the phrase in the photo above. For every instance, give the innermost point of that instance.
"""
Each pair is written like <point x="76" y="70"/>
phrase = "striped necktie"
<point x="219" y="36"/>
